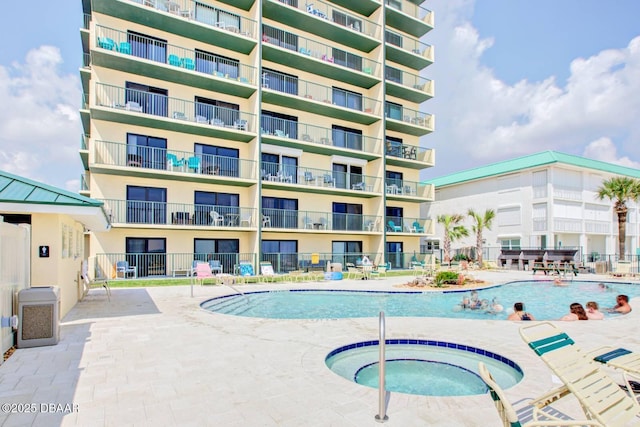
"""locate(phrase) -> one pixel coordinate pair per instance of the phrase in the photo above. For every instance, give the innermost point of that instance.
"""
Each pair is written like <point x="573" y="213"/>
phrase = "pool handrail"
<point x="382" y="393"/>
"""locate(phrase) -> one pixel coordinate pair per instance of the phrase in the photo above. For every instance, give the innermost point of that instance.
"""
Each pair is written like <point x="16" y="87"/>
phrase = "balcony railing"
<point x="313" y="91"/>
<point x="84" y="142"/>
<point x="412" y="9"/>
<point x="597" y="227"/>
<point x="568" y="225"/>
<point x="540" y="224"/>
<point x="164" y="106"/>
<point x="409" y="225"/>
<point x="286" y="262"/>
<point x="409" y="44"/>
<point x="85" y="101"/>
<point x="292" y="174"/>
<point x="400" y="187"/>
<point x="127" y="155"/>
<point x="86" y="21"/>
<point x="339" y="16"/>
<point x="163" y="213"/>
<point x="84" y="184"/>
<point x="281" y="128"/>
<point x="409" y="80"/>
<point x="164" y="53"/>
<point x="408" y="115"/>
<point x="320" y="51"/>
<point x="567" y="193"/>
<point x="410" y="152"/>
<point x="205" y="14"/>
<point x="86" y="60"/>
<point x="313" y="220"/>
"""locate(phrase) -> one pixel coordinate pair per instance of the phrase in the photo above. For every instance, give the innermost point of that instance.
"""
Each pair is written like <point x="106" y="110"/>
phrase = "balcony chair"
<point x="216" y="266"/>
<point x="174" y="60"/>
<point x="280" y="134"/>
<point x="328" y="179"/>
<point x="217" y="122"/>
<point x="240" y="124"/>
<point x="188" y="63"/>
<point x="417" y="228"/>
<point x="358" y="186"/>
<point x="133" y="106"/>
<point x="216" y="218"/>
<point x="243" y="80"/>
<point x="308" y="177"/>
<point x="179" y="115"/>
<point x="124" y="47"/>
<point x="106" y="43"/>
<point x="266" y="221"/>
<point x="173" y="162"/>
<point x="247" y="220"/>
<point x="393" y="227"/>
<point x="194" y="163"/>
<point x="201" y="119"/>
<point x="308" y="223"/>
<point x="126" y="269"/>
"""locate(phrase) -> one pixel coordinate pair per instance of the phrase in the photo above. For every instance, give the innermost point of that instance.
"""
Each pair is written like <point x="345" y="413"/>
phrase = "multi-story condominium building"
<point x="544" y="200"/>
<point x="248" y="130"/>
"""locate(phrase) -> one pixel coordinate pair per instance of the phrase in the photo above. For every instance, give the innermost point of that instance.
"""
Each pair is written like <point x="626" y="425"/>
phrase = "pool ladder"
<point x="383" y="395"/>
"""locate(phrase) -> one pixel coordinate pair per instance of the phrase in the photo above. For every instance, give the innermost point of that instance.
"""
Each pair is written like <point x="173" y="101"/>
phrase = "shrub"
<point x="446" y="277"/>
<point x="460" y="257"/>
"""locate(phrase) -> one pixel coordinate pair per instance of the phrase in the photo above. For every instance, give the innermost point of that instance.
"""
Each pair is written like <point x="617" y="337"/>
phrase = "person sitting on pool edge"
<point x="576" y="312"/>
<point x="622" y="305"/>
<point x="592" y="311"/>
<point x="519" y="313"/>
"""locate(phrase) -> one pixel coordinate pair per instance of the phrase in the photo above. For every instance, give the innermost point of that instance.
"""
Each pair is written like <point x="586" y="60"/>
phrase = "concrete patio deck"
<point x="152" y="357"/>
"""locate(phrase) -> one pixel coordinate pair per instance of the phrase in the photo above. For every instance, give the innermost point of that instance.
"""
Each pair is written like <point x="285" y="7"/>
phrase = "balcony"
<point x="409" y="156"/>
<point x="242" y="4"/>
<point x="116" y="158"/>
<point x="85" y="72"/>
<point x="327" y="21"/>
<point x="84" y="32"/>
<point x="84" y="186"/>
<point x="362" y="7"/>
<point x="85" y="114"/>
<point x="135" y="107"/>
<point x="280" y="89"/>
<point x="291" y="50"/>
<point x="567" y="225"/>
<point x="410" y="226"/>
<point x="406" y="120"/>
<point x="408" y="51"/>
<point x="320" y="140"/>
<point x="139" y="213"/>
<point x="187" y="18"/>
<point x="119" y="50"/>
<point x="296" y="178"/>
<point x="409" y="191"/>
<point x="409" y="17"/>
<point x="408" y="86"/>
<point x="597" y="227"/>
<point x="84" y="151"/>
<point x="315" y="222"/>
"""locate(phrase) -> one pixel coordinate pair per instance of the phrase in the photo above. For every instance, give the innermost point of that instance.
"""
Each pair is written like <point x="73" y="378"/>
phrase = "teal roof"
<point x="16" y="189"/>
<point x="528" y="162"/>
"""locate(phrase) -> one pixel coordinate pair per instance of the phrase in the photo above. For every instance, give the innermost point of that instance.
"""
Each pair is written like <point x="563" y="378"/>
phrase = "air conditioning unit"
<point x="39" y="316"/>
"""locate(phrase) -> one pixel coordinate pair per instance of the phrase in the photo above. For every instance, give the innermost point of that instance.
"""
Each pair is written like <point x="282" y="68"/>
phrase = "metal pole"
<point x="382" y="407"/>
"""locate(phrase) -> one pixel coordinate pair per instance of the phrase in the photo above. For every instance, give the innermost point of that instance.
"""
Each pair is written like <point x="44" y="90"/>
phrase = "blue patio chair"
<point x="393" y="227"/>
<point x="106" y="43"/>
<point x="216" y="266"/>
<point x="417" y="228"/>
<point x="174" y="60"/>
<point x="194" y="163"/>
<point x="126" y="269"/>
<point x="328" y="179"/>
<point x="173" y="162"/>
<point x="188" y="63"/>
<point x="125" y="47"/>
<point x="308" y="176"/>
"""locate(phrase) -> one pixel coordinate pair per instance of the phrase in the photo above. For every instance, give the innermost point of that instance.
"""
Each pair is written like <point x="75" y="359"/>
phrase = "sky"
<point x="512" y="78"/>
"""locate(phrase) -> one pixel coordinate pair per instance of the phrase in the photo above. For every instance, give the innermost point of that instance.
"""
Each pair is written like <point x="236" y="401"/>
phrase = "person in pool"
<point x="576" y="312"/>
<point x="622" y="305"/>
<point x="592" y="311"/>
<point x="519" y="313"/>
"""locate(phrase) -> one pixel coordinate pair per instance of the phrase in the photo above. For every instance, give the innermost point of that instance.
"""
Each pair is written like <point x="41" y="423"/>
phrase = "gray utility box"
<point x="39" y="313"/>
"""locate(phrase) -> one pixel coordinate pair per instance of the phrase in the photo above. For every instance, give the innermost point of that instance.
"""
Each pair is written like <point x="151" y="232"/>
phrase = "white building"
<point x="544" y="200"/>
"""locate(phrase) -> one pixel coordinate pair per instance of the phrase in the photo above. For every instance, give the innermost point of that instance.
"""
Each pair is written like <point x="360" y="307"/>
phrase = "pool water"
<point x="423" y="367"/>
<point x="541" y="298"/>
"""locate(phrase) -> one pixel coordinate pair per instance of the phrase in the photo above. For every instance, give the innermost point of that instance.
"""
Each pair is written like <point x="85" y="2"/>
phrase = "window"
<point x="225" y="204"/>
<point x="346" y="137"/>
<point x="279" y="38"/>
<point x="217" y="112"/>
<point x="393" y="215"/>
<point x="393" y="110"/>
<point x="279" y="124"/>
<point x="394" y="254"/>
<point x="153" y="100"/>
<point x="148" y="255"/>
<point x="282" y="254"/>
<point x="393" y="74"/>
<point x="345" y="98"/>
<point x="215" y="160"/>
<point x="209" y="63"/>
<point x="346" y="252"/>
<point x="346" y="20"/>
<point x="431" y="245"/>
<point x="146" y="151"/>
<point x="346" y="176"/>
<point x="393" y="38"/>
<point x="513" y="243"/>
<point x="146" y="205"/>
<point x="394" y="178"/>
<point x="283" y="213"/>
<point x="281" y="82"/>
<point x="508" y="216"/>
<point x="284" y="168"/>
<point x="394" y="146"/>
<point x="215" y="17"/>
<point x="347" y="59"/>
<point x="347" y="216"/>
<point x="224" y="250"/>
<point x="147" y="47"/>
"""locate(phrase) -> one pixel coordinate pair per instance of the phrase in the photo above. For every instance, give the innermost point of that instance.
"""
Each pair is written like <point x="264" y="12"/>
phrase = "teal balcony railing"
<point x="162" y="52"/>
<point x="305" y="89"/>
<point x="304" y="46"/>
<point x="395" y="224"/>
<point x="313" y="220"/>
<point x="164" y="106"/>
<point x="293" y="174"/>
<point x="120" y="154"/>
<point x="164" y="214"/>
<point x="404" y="114"/>
<point x="400" y="187"/>
<point x="410" y="152"/>
<point x="308" y="133"/>
<point x="328" y="11"/>
<point x="206" y="14"/>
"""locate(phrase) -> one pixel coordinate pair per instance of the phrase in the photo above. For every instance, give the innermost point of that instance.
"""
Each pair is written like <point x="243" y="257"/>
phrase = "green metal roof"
<point x="17" y="189"/>
<point x="528" y="162"/>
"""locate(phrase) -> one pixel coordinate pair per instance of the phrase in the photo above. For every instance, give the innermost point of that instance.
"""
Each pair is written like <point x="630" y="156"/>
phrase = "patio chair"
<point x="417" y="228"/>
<point x="106" y="43"/>
<point x="308" y="222"/>
<point x="124" y="47"/>
<point x="243" y="271"/>
<point x="203" y="272"/>
<point x="89" y="284"/>
<point x="216" y="218"/>
<point x="354" y="273"/>
<point x="174" y="60"/>
<point x="188" y="63"/>
<point x="246" y="220"/>
<point x="600" y="397"/>
<point x="193" y="163"/>
<point x="240" y="124"/>
<point x="328" y="179"/>
<point x="623" y="268"/>
<point x="393" y="227"/>
<point x="308" y="177"/>
<point x="509" y="416"/>
<point x="126" y="269"/>
<point x="266" y="220"/>
<point x="617" y="358"/>
<point x="266" y="272"/>
<point x="133" y="106"/>
<point x="215" y="266"/>
<point x="173" y="162"/>
<point x="379" y="271"/>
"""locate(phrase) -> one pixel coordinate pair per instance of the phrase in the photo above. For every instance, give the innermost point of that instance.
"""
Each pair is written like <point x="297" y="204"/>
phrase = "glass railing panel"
<point x="291" y="174"/>
<point x="404" y="114"/>
<point x="314" y="220"/>
<point x="86" y="21"/>
<point x="320" y="51"/>
<point x="84" y="184"/>
<point x="338" y="16"/>
<point x="179" y="109"/>
<point x="411" y="9"/>
<point x="409" y="80"/>
<point x="164" y="53"/>
<point x="408" y="44"/>
<point x="85" y="101"/>
<point x="119" y="154"/>
<point x="84" y="142"/>
<point x="86" y="60"/>
<point x="394" y="224"/>
<point x="410" y="152"/>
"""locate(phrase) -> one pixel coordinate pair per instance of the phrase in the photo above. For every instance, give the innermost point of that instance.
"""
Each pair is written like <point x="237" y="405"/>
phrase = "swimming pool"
<point x="544" y="300"/>
<point x="423" y="367"/>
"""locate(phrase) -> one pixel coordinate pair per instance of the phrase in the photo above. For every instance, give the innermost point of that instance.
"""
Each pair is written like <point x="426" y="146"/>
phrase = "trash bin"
<point x="39" y="313"/>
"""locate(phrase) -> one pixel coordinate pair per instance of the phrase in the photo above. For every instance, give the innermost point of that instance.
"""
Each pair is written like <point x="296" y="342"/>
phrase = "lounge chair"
<point x="393" y="227"/>
<point x="243" y="271"/>
<point x="123" y="267"/>
<point x="600" y="396"/>
<point x="618" y="358"/>
<point x="509" y="416"/>
<point x="203" y="272"/>
<point x="89" y="284"/>
<point x="267" y="274"/>
<point x="623" y="269"/>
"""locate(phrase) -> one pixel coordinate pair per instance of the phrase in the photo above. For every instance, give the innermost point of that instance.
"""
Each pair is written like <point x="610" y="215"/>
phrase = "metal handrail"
<point x="382" y="393"/>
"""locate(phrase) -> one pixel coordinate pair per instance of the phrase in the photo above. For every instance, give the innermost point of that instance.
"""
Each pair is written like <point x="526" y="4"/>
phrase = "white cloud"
<point x="489" y="120"/>
<point x="604" y="149"/>
<point x="39" y="125"/>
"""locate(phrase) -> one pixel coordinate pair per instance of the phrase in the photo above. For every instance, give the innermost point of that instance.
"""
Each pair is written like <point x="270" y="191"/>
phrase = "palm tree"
<point x="452" y="232"/>
<point x="620" y="190"/>
<point x="480" y="223"/>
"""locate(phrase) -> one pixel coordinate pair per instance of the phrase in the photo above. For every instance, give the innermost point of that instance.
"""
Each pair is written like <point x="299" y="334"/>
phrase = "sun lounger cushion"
<point x="604" y="358"/>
